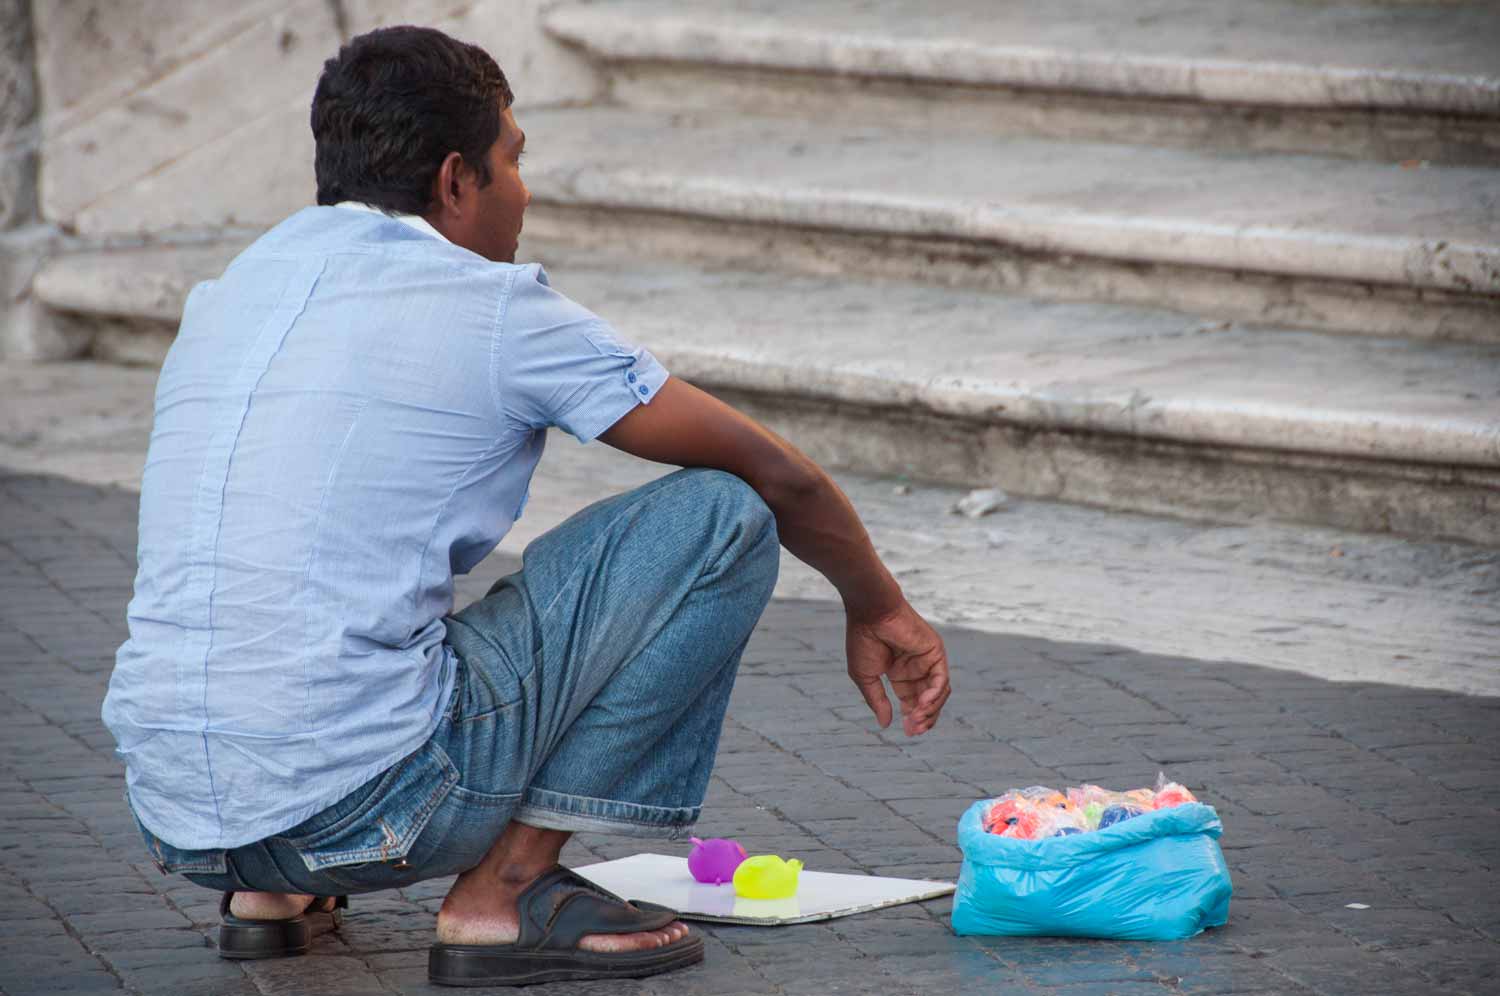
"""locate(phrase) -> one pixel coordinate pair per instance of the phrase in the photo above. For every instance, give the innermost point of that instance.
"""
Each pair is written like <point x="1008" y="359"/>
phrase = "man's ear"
<point x="447" y="186"/>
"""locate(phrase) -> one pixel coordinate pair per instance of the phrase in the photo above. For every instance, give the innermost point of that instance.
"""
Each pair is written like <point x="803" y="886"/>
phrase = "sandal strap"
<point x="561" y="907"/>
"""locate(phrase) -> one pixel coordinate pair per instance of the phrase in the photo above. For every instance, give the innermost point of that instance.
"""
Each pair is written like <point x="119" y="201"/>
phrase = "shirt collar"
<point x="415" y="221"/>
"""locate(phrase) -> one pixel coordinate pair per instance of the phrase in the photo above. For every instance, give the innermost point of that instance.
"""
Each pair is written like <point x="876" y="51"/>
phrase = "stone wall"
<point x="164" y="117"/>
<point x="18" y="126"/>
<point x="26" y="330"/>
<point x="152" y="121"/>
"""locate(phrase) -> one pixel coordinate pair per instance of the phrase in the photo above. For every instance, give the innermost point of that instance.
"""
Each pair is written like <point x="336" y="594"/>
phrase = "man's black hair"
<point x="391" y="106"/>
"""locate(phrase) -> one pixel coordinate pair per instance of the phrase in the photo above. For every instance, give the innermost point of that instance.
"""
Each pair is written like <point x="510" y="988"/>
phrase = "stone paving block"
<point x="92" y="925"/>
<point x="930" y="813"/>
<point x="1380" y="928"/>
<point x="856" y="836"/>
<point x="1474" y="780"/>
<point x="51" y="949"/>
<point x="207" y="986"/>
<point x="1269" y="924"/>
<point x="1468" y="966"/>
<point x="381" y="962"/>
<point x="938" y="871"/>
<point x="1349" y="971"/>
<point x="1130" y="988"/>
<point x="137" y="959"/>
<point x="1466" y="904"/>
<point x="62" y="983"/>
<point x="1132" y="774"/>
<point x="366" y="939"/>
<point x="1104" y="974"/>
<point x="929" y="785"/>
<point x="940" y="909"/>
<point x="115" y="943"/>
<point x="82" y="870"/>
<point x="412" y="980"/>
<point x="195" y="966"/>
<point x="879" y="855"/>
<point x="332" y="974"/>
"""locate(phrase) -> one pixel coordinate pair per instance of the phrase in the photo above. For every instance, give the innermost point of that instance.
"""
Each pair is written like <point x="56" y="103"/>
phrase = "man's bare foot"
<point x="481" y="906"/>
<point x="269" y="905"/>
<point x="494" y="920"/>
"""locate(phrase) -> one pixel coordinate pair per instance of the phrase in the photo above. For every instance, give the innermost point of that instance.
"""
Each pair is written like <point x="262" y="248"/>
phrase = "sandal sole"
<point x="489" y="965"/>
<point x="249" y="940"/>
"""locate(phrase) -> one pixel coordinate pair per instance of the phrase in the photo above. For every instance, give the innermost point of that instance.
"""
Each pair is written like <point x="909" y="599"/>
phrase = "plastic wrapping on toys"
<point x="1155" y="876"/>
<point x="1170" y="794"/>
<point x="1029" y="813"/>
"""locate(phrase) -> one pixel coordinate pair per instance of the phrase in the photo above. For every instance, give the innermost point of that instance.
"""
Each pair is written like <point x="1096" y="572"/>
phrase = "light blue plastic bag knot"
<point x="1157" y="877"/>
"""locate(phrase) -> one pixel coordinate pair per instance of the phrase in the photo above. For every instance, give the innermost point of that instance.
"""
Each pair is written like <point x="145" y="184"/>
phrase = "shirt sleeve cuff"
<point x="636" y="384"/>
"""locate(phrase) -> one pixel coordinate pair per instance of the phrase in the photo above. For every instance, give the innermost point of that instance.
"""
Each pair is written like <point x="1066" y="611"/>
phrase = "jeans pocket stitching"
<point x="487" y="715"/>
<point x="486" y="800"/>
<point x="523" y="682"/>
<point x="213" y="861"/>
<point x="394" y="846"/>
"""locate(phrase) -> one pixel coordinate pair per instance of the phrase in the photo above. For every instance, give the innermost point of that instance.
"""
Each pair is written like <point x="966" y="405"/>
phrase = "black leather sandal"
<point x="556" y="911"/>
<point x="241" y="938"/>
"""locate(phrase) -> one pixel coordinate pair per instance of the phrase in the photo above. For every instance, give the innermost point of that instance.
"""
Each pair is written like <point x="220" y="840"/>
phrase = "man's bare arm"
<point x="687" y="427"/>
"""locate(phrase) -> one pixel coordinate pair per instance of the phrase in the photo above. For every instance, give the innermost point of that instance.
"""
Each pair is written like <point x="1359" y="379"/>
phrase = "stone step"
<point x="1126" y="407"/>
<point x="1361" y="79"/>
<point x="1322" y="243"/>
<point x="126" y="303"/>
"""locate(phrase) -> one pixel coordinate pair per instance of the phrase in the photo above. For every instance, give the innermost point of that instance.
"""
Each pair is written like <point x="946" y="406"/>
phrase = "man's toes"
<point x="603" y="943"/>
<point x="606" y="943"/>
<point x="644" y="941"/>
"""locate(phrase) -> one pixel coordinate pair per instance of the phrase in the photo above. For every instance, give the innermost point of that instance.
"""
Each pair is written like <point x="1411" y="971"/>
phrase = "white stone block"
<point x="29" y="333"/>
<point x="224" y="82"/>
<point x="248" y="178"/>
<point x="540" y="70"/>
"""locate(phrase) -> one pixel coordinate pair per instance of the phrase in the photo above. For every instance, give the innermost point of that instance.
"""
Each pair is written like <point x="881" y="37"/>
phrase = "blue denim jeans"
<point x="591" y="689"/>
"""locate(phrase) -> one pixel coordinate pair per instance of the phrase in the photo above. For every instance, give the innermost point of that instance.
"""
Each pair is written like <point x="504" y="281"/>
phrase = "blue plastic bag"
<point x="1159" y="876"/>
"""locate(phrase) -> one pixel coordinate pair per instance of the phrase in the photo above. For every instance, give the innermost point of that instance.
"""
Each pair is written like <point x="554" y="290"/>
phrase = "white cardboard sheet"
<point x="660" y="878"/>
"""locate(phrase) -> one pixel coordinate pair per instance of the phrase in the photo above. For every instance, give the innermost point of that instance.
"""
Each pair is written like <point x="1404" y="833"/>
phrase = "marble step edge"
<point x="1234" y="423"/>
<point x="1408" y="261"/>
<point x="613" y="34"/>
<point x="145" y="289"/>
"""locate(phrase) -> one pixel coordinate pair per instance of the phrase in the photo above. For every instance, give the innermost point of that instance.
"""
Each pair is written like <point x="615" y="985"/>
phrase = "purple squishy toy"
<point x="713" y="861"/>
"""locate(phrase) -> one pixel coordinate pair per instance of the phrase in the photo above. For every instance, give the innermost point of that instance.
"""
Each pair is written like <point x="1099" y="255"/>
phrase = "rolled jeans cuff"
<point x="559" y="811"/>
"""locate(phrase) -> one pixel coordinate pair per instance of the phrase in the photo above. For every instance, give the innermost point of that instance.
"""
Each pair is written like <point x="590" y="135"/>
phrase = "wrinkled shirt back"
<point x="349" y="416"/>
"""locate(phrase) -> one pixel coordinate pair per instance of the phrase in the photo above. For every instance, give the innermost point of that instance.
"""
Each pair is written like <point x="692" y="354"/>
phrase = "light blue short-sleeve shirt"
<point x="349" y="416"/>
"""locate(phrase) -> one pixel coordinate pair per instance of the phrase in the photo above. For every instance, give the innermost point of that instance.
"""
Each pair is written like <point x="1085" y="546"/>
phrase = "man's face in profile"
<point x="491" y="225"/>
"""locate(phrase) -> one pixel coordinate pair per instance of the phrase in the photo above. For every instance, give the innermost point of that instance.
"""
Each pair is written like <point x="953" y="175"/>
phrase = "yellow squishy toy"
<point x="766" y="876"/>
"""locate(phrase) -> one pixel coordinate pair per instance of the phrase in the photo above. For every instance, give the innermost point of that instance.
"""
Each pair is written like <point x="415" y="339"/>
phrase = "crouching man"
<point x="350" y="415"/>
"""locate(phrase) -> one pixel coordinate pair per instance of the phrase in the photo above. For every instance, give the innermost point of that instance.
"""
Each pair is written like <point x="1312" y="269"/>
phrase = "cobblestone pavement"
<point x="1331" y="794"/>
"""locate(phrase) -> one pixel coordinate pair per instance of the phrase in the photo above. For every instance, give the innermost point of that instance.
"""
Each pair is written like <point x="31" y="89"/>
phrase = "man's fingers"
<point x="874" y="693"/>
<point x="923" y="713"/>
<point x="930" y="713"/>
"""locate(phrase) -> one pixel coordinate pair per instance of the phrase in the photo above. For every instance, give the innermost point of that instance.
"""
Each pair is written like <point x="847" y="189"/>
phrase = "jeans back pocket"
<point x="378" y="823"/>
<point x="174" y="859"/>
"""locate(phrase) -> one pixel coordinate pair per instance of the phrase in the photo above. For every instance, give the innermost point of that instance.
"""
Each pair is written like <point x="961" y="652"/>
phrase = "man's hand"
<point x="909" y="653"/>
